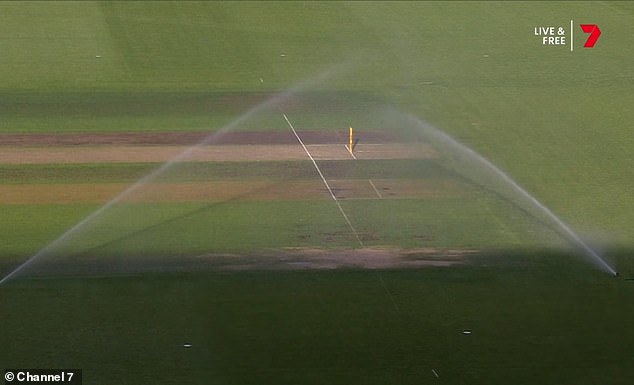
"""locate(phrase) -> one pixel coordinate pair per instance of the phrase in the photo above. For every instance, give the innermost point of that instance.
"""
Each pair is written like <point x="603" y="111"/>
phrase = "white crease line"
<point x="349" y="151"/>
<point x="375" y="189"/>
<point x="332" y="194"/>
<point x="388" y="292"/>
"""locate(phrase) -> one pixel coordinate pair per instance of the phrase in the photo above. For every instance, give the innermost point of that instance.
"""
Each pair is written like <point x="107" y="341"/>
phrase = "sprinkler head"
<point x="616" y="274"/>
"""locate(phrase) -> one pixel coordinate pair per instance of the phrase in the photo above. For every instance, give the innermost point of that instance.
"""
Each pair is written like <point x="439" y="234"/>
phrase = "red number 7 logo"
<point x="594" y="32"/>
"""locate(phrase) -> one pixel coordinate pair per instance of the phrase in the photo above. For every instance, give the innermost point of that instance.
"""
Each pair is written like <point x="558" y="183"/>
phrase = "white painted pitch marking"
<point x="323" y="179"/>
<point x="388" y="292"/>
<point x="435" y="373"/>
<point x="349" y="151"/>
<point x="375" y="189"/>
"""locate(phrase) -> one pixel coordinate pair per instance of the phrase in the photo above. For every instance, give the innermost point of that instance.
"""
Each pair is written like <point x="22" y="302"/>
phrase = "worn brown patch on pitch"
<point x="327" y="259"/>
<point x="255" y="152"/>
<point x="189" y="138"/>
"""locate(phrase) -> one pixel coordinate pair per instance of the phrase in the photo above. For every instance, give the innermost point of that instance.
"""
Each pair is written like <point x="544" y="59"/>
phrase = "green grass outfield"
<point x="558" y="122"/>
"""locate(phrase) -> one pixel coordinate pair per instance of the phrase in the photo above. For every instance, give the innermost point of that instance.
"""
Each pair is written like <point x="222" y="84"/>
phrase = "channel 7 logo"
<point x="594" y="32"/>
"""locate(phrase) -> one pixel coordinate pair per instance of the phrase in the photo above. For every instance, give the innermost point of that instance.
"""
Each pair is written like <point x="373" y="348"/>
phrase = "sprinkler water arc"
<point x="269" y="103"/>
<point x="436" y="135"/>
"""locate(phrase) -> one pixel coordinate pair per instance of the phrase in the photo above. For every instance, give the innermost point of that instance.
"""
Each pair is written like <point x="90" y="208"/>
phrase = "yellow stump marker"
<point x="350" y="142"/>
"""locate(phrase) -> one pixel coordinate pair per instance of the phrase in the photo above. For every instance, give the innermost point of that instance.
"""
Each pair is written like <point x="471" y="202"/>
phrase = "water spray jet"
<point x="442" y="139"/>
<point x="272" y="102"/>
